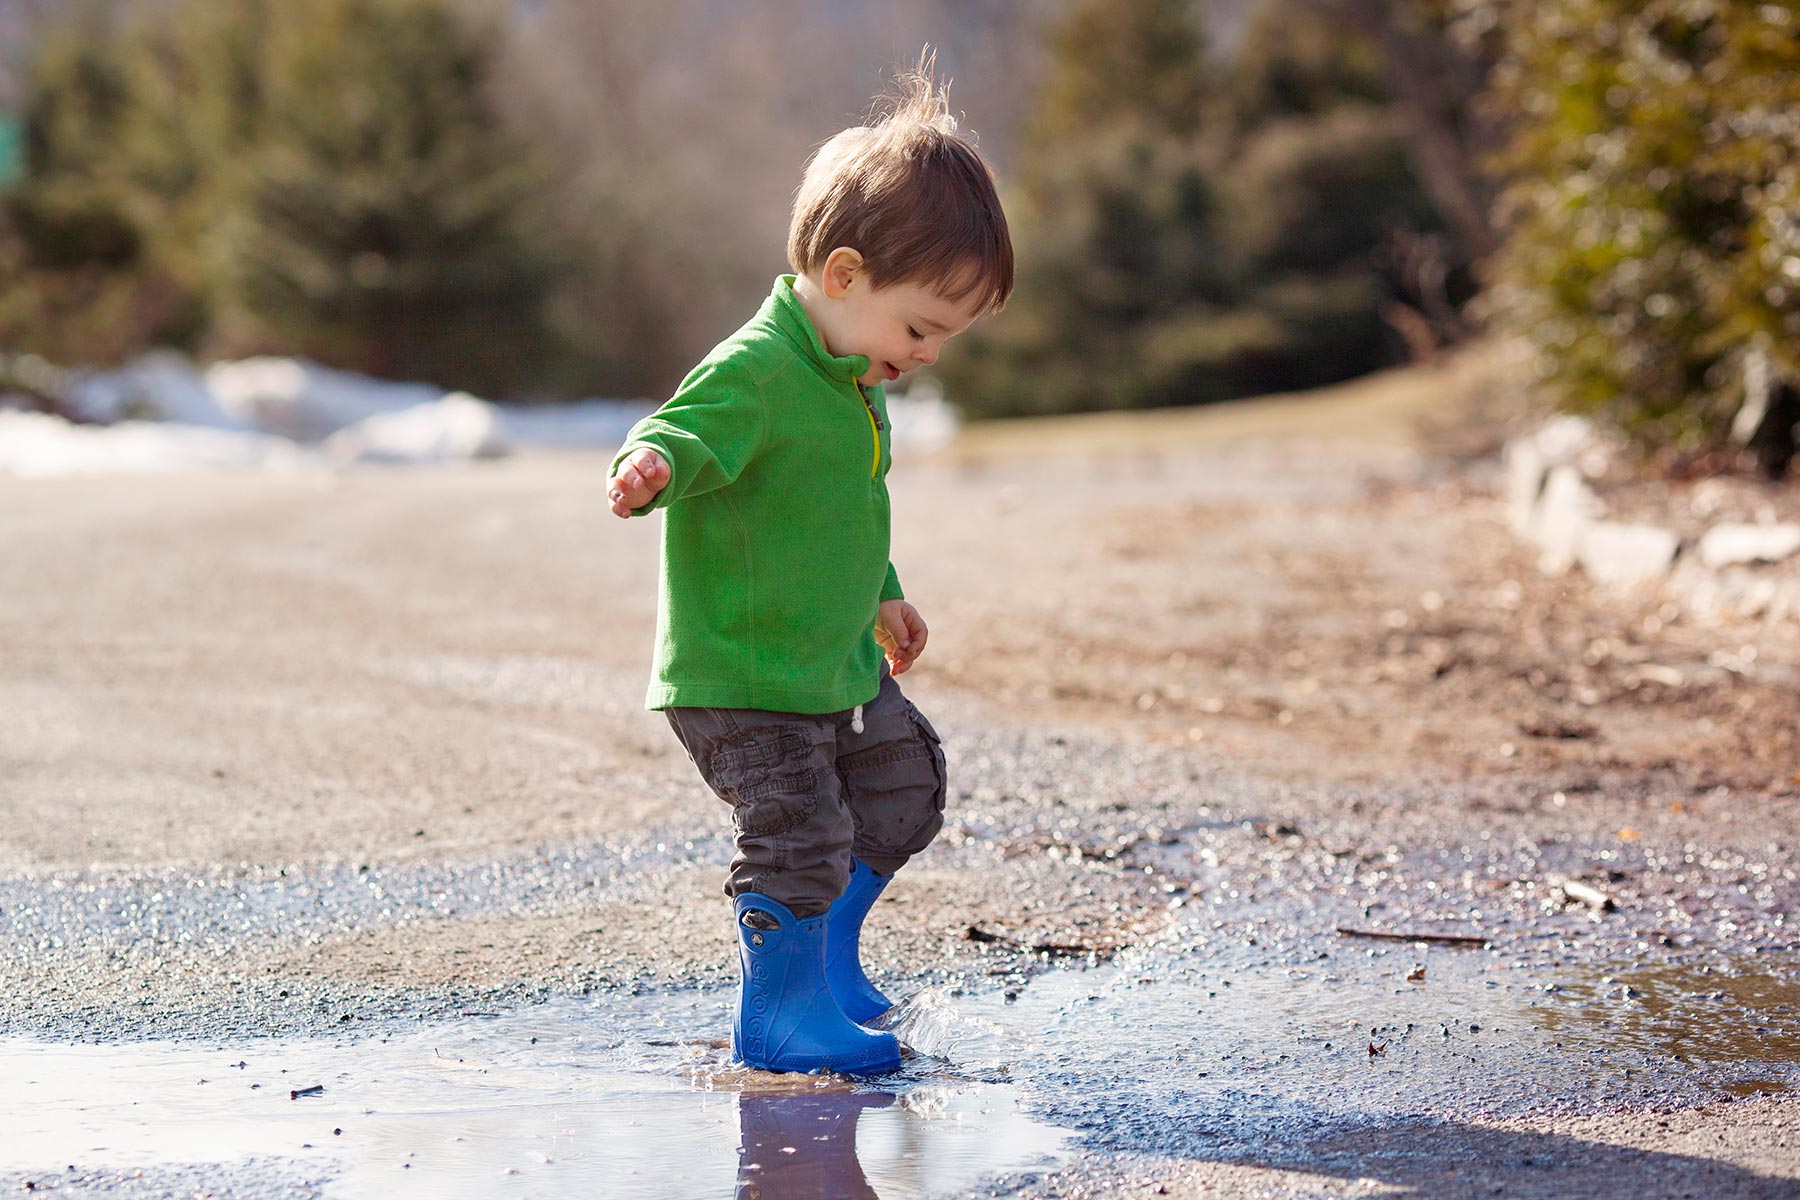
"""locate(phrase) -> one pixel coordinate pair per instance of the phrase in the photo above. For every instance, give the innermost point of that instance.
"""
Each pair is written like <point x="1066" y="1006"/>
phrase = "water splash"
<point x="930" y="1023"/>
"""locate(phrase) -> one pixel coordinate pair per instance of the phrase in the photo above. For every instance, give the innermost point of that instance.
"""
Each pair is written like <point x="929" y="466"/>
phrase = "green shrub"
<point x="1653" y="203"/>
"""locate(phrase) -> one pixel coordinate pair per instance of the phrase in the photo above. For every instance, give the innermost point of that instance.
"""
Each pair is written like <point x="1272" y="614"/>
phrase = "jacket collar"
<point x="784" y="310"/>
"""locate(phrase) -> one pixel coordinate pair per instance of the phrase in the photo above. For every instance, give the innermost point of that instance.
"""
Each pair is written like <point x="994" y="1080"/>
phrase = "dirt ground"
<point x="419" y="692"/>
<point x="1341" y="613"/>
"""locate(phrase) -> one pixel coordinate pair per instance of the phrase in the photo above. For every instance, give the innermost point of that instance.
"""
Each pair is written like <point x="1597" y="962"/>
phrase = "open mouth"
<point x="893" y="372"/>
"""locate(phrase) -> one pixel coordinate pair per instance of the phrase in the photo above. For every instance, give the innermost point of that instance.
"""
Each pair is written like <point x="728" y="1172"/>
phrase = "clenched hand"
<point x="640" y="477"/>
<point x="902" y="633"/>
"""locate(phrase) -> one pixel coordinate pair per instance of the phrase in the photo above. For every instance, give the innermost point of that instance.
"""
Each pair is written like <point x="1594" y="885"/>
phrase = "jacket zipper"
<point x="875" y="428"/>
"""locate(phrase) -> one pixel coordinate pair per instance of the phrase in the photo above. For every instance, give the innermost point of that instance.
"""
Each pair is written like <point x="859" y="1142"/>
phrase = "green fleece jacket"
<point x="775" y="542"/>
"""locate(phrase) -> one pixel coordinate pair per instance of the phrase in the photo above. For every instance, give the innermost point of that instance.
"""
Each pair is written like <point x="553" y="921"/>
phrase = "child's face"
<point x="897" y="327"/>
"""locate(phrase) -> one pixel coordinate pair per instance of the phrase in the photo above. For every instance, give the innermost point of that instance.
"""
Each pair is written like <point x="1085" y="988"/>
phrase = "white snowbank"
<point x="587" y="423"/>
<point x="43" y="446"/>
<point x="159" y="386"/>
<point x="304" y="401"/>
<point x="454" y="429"/>
<point x="161" y="413"/>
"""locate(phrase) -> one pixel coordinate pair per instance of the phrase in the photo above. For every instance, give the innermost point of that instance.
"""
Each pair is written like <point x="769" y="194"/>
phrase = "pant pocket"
<point x="766" y="775"/>
<point x="938" y="764"/>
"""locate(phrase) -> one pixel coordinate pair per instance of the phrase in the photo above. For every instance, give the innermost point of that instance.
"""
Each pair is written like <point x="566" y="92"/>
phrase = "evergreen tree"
<point x="80" y="279"/>
<point x="326" y="177"/>
<point x="1189" y="232"/>
<point x="383" y="219"/>
<point x="1111" y="213"/>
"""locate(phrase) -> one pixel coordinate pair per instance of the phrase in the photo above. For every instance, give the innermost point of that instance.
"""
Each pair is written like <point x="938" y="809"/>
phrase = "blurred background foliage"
<point x="1653" y="206"/>
<point x="1234" y="220"/>
<point x="573" y="197"/>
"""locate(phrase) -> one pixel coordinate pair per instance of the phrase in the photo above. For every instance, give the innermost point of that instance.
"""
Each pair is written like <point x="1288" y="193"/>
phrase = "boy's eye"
<point x="917" y="336"/>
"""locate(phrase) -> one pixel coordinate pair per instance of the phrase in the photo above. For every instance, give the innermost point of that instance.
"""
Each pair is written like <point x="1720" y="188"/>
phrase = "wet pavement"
<point x="377" y="823"/>
<point x="1296" y="992"/>
<point x="1226" y="1038"/>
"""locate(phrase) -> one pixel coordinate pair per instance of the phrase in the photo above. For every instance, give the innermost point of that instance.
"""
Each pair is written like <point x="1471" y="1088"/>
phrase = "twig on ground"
<point x="1454" y="939"/>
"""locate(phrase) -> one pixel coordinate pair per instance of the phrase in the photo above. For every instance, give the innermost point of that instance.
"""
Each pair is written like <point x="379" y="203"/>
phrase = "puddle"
<point x="1694" y="1012"/>
<point x="561" y="1099"/>
<point x="1184" y="1052"/>
<point x="1186" y="1048"/>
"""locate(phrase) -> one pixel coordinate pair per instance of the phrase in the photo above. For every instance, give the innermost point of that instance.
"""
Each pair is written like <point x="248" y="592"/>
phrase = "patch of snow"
<point x="1530" y="460"/>
<point x="159" y="386"/>
<point x="42" y="446"/>
<point x="589" y="423"/>
<point x="304" y="401"/>
<point x="156" y="413"/>
<point x="456" y="428"/>
<point x="1525" y="468"/>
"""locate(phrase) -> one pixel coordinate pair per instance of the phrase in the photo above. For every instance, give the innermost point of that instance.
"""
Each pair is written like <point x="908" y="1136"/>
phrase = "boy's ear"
<point x="842" y="267"/>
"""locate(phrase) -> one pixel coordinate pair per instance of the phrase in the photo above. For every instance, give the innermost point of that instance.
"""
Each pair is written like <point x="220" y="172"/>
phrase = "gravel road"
<point x="305" y="754"/>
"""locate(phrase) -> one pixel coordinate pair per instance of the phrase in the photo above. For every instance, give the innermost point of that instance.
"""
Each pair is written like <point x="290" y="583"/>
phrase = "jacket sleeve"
<point x="890" y="587"/>
<point x="707" y="432"/>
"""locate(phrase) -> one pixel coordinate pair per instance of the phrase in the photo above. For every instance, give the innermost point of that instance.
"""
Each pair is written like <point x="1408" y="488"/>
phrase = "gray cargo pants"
<point x="807" y="791"/>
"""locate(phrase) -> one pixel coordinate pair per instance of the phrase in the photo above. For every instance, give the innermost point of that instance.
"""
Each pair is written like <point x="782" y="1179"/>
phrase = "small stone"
<point x="1624" y="555"/>
<point x="1726" y="545"/>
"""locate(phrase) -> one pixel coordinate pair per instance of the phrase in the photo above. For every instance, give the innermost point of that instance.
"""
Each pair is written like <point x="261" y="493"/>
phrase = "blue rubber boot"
<point x="786" y="1018"/>
<point x="859" y="998"/>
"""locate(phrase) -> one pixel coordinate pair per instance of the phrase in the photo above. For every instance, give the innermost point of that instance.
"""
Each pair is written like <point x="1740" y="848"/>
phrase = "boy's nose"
<point x="927" y="355"/>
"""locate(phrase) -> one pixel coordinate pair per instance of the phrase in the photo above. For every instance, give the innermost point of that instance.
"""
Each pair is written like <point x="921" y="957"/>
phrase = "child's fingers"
<point x="643" y="475"/>
<point x="916" y="632"/>
<point x="622" y="498"/>
<point x="650" y="467"/>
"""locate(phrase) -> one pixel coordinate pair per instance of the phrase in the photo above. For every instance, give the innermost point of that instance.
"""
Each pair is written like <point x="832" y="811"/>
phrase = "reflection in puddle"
<point x="1697" y="1013"/>
<point x="563" y="1099"/>
<point x="803" y="1146"/>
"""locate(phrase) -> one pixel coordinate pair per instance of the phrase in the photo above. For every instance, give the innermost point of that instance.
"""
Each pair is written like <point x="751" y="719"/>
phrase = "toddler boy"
<point x="781" y="624"/>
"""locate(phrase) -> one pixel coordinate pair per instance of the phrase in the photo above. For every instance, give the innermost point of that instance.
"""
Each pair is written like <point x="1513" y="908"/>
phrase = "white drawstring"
<point x="856" y="719"/>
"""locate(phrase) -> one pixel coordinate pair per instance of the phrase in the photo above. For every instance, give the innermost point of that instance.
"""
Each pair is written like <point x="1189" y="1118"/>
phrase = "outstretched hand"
<point x="640" y="477"/>
<point x="902" y="633"/>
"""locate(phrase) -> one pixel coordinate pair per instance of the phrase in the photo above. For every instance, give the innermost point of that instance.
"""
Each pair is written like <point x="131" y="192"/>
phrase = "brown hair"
<point x="911" y="196"/>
